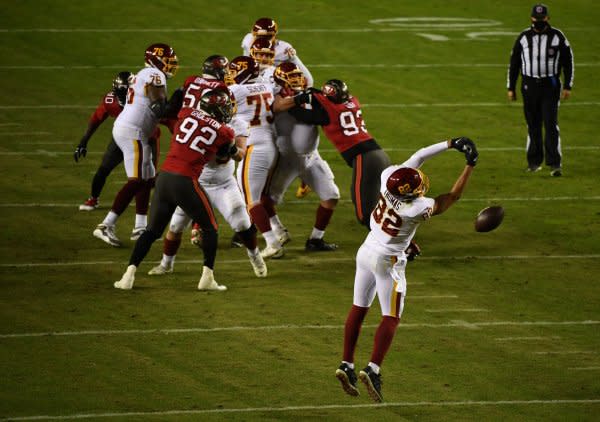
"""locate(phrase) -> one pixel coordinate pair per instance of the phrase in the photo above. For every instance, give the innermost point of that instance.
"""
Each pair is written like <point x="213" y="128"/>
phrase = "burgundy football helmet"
<point x="265" y="28"/>
<point x="407" y="183"/>
<point x="241" y="70"/>
<point x="217" y="104"/>
<point x="162" y="57"/>
<point x="288" y="75"/>
<point x="216" y="66"/>
<point x="336" y="90"/>
<point x="263" y="51"/>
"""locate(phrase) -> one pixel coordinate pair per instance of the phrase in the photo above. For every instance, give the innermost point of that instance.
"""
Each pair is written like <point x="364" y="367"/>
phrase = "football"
<point x="489" y="218"/>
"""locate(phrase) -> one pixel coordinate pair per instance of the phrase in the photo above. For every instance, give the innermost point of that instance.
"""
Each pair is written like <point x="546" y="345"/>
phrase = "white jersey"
<point x="284" y="52"/>
<point x="137" y="114"/>
<point x="393" y="222"/>
<point x="295" y="137"/>
<point x="254" y="101"/>
<point x="215" y="173"/>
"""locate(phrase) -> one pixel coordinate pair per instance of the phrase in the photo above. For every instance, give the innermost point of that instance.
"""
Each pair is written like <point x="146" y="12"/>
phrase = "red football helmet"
<point x="336" y="90"/>
<point x="288" y="75"/>
<point x="241" y="70"/>
<point x="215" y="65"/>
<point x="407" y="183"/>
<point x="162" y="57"/>
<point x="263" y="51"/>
<point x="265" y="28"/>
<point x="217" y="103"/>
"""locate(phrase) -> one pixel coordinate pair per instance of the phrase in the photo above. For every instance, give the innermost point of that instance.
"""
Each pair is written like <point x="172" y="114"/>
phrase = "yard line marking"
<point x="332" y="259"/>
<point x="432" y="296"/>
<point x="527" y="338"/>
<point x="585" y="368"/>
<point x="174" y="412"/>
<point x="567" y="352"/>
<point x="452" y="324"/>
<point x="435" y="311"/>
<point x="24" y="133"/>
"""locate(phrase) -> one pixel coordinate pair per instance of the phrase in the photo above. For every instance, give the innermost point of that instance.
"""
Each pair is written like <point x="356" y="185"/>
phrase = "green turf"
<point x="497" y="326"/>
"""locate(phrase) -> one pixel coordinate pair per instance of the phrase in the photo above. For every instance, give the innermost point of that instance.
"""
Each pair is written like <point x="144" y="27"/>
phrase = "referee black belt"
<point x="538" y="80"/>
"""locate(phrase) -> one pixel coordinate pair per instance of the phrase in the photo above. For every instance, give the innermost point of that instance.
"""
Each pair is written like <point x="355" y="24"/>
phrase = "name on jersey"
<point x="205" y="118"/>
<point x="211" y="84"/>
<point x="393" y="201"/>
<point x="256" y="88"/>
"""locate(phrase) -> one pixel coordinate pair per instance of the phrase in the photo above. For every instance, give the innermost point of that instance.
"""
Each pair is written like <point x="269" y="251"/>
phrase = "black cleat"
<point x="556" y="172"/>
<point x="347" y="377"/>
<point x="372" y="381"/>
<point x="236" y="241"/>
<point x="319" y="245"/>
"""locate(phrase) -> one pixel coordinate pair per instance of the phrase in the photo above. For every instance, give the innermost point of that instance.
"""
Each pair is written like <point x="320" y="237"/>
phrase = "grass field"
<point x="497" y="326"/>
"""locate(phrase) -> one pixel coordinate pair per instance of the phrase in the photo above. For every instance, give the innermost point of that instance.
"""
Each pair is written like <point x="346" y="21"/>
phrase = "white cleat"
<point x="137" y="232"/>
<point x="284" y="237"/>
<point x="107" y="234"/>
<point x="272" y="252"/>
<point x="126" y="282"/>
<point x="207" y="282"/>
<point x="160" y="270"/>
<point x="258" y="264"/>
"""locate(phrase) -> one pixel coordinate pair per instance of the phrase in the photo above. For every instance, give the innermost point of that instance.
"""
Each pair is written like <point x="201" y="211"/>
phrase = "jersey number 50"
<point x="188" y="128"/>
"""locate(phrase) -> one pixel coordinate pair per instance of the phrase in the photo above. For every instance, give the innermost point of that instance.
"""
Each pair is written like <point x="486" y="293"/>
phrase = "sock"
<point x="276" y="224"/>
<point x="323" y="217"/>
<point x="209" y="246"/>
<point x="167" y="261"/>
<point x="126" y="194"/>
<point x="352" y="327"/>
<point x="316" y="234"/>
<point x="268" y="204"/>
<point x="248" y="237"/>
<point x="383" y="338"/>
<point x="170" y="247"/>
<point x="350" y="364"/>
<point x="253" y="252"/>
<point x="260" y="218"/>
<point x="142" y="197"/>
<point x="141" y="220"/>
<point x="374" y="367"/>
<point x="271" y="239"/>
<point x="142" y="246"/>
<point x="111" y="218"/>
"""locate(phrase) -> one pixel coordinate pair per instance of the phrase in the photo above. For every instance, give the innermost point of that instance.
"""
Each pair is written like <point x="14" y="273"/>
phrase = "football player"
<point x="110" y="106"/>
<point x="298" y="157"/>
<point x="200" y="136"/>
<point x="145" y="105"/>
<point x="340" y="115"/>
<point x="381" y="260"/>
<point x="217" y="177"/>
<point x="254" y="98"/>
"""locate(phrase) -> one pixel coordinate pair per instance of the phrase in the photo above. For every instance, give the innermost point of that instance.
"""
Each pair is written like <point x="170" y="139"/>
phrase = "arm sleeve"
<point x="568" y="64"/>
<point x="317" y="115"/>
<point x="418" y="158"/>
<point x="515" y="64"/>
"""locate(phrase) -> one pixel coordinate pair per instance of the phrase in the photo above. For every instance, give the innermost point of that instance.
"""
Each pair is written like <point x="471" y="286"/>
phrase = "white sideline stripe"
<point x="567" y="352"/>
<point x="390" y="105"/>
<point x="436" y="311"/>
<point x="526" y="338"/>
<point x="585" y="368"/>
<point x="174" y="412"/>
<point x="304" y="258"/>
<point x="453" y="324"/>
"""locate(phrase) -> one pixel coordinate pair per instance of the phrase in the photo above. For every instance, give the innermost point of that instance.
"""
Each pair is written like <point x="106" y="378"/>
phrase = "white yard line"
<point x="527" y="338"/>
<point x="285" y="327"/>
<point x="284" y="409"/>
<point x="585" y="368"/>
<point x="566" y="352"/>
<point x="450" y="310"/>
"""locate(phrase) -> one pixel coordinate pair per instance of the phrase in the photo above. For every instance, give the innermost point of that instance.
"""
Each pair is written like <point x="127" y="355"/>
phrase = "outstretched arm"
<point x="445" y="201"/>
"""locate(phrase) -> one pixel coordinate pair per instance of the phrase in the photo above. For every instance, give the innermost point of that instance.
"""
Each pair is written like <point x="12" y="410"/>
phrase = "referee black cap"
<point x="539" y="11"/>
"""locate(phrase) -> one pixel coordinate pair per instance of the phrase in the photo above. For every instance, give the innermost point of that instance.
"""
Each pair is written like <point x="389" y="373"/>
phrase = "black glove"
<point x="80" y="151"/>
<point x="412" y="251"/>
<point x="467" y="147"/>
<point x="304" y="97"/>
<point x="226" y="151"/>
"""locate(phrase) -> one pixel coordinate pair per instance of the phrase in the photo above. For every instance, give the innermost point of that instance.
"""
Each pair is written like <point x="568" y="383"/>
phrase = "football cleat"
<point x="160" y="270"/>
<point x="126" y="282"/>
<point x="347" y="377"/>
<point x="533" y="169"/>
<point x="319" y="245"/>
<point x="207" y="282"/>
<point x="107" y="234"/>
<point x="556" y="172"/>
<point x="137" y="232"/>
<point x="272" y="252"/>
<point x="284" y="237"/>
<point x="236" y="241"/>
<point x="89" y="205"/>
<point x="302" y="191"/>
<point x="372" y="381"/>
<point x="258" y="265"/>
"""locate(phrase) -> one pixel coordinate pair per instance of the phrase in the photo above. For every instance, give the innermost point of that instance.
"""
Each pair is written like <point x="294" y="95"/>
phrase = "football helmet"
<point x="288" y="75"/>
<point x="407" y="183"/>
<point x="241" y="70"/>
<point x="263" y="51"/>
<point x="162" y="57"/>
<point x="265" y="28"/>
<point x="217" y="104"/>
<point x="120" y="85"/>
<point x="216" y="66"/>
<point x="336" y="91"/>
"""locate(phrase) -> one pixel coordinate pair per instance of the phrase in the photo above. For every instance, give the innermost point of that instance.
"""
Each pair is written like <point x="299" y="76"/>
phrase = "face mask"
<point x="540" y="25"/>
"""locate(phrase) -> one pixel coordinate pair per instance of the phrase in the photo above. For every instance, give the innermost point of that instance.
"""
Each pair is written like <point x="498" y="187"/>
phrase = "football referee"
<point x="539" y="54"/>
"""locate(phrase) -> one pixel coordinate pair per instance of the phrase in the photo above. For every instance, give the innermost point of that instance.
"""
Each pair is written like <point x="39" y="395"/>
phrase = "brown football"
<point x="489" y="218"/>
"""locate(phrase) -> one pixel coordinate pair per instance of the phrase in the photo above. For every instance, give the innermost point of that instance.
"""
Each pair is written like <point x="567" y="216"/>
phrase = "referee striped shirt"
<point x="541" y="55"/>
